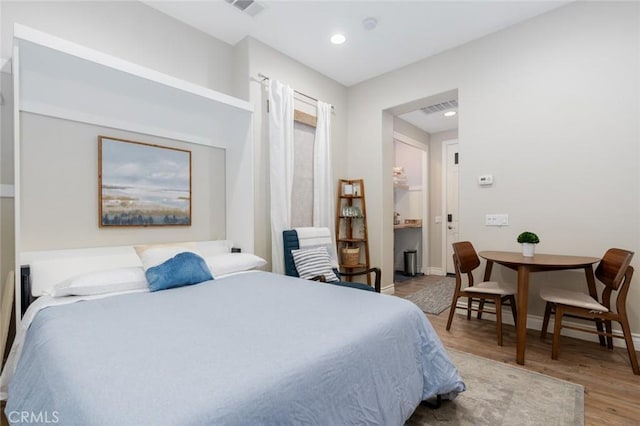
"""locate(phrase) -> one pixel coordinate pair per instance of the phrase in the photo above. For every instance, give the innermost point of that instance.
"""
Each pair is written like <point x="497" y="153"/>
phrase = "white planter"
<point x="528" y="249"/>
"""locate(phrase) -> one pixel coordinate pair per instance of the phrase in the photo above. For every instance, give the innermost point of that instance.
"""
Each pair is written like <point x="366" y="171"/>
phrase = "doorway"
<point x="411" y="201"/>
<point x="431" y="120"/>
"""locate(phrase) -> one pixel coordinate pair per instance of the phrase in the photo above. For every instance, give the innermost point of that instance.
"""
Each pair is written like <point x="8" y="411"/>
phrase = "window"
<point x="304" y="134"/>
<point x="302" y="192"/>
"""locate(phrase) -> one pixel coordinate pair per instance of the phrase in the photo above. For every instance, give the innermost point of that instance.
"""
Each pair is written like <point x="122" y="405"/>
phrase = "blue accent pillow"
<point x="183" y="269"/>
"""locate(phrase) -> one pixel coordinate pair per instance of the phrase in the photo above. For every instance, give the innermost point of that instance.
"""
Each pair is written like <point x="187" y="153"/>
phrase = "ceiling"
<point x="431" y="123"/>
<point x="406" y="31"/>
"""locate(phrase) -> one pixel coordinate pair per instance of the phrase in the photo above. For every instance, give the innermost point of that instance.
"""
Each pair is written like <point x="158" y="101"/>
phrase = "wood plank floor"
<point x="612" y="391"/>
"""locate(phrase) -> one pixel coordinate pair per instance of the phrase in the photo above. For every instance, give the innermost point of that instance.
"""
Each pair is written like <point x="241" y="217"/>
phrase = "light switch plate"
<point x="485" y="180"/>
<point x="496" y="220"/>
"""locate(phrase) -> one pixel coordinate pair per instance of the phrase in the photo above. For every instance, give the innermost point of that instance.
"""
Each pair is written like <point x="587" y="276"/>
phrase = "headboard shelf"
<point x="67" y="80"/>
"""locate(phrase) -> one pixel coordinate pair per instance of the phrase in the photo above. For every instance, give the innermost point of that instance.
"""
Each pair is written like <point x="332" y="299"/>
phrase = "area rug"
<point x="435" y="297"/>
<point x="501" y="394"/>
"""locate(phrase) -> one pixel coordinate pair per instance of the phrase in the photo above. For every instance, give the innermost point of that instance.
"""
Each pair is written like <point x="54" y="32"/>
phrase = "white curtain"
<point x="281" y="166"/>
<point x="323" y="200"/>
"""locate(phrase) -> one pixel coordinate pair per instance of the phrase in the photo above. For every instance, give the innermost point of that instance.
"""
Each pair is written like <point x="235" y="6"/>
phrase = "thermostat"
<point x="485" y="180"/>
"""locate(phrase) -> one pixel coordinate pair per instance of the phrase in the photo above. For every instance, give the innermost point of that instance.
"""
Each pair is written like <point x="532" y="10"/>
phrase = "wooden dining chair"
<point x="465" y="260"/>
<point x="615" y="272"/>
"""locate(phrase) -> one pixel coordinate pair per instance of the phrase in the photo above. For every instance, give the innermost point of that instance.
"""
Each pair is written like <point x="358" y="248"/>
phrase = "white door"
<point x="451" y="197"/>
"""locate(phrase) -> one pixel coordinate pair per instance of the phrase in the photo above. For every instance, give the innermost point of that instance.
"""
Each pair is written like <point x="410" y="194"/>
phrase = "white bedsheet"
<point x="33" y="309"/>
<point x="253" y="349"/>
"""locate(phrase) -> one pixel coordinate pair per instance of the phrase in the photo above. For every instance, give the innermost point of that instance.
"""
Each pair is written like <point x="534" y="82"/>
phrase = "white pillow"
<point x="157" y="254"/>
<point x="49" y="270"/>
<point x="311" y="262"/>
<point x="214" y="247"/>
<point x="229" y="263"/>
<point x="100" y="282"/>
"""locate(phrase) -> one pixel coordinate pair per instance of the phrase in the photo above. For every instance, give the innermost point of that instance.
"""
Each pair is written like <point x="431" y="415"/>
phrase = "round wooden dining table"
<point x="524" y="266"/>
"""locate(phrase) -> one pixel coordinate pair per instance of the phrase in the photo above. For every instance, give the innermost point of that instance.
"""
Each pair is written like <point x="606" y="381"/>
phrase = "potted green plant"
<point x="528" y="240"/>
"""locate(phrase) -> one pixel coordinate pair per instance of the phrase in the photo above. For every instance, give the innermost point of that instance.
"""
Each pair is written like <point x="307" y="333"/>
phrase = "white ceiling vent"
<point x="250" y="7"/>
<point x="442" y="106"/>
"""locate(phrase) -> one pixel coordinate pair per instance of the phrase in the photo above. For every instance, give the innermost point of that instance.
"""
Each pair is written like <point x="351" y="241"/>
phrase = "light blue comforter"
<point x="254" y="348"/>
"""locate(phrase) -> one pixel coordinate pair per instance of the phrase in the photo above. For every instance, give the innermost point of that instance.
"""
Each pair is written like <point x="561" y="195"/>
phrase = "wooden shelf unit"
<point x="351" y="224"/>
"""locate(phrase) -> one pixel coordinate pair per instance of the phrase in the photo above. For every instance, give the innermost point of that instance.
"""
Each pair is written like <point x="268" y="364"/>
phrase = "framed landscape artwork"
<point x="141" y="184"/>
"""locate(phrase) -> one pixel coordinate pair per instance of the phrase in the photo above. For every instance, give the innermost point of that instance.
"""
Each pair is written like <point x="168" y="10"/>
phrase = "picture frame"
<point x="142" y="184"/>
<point x="347" y="189"/>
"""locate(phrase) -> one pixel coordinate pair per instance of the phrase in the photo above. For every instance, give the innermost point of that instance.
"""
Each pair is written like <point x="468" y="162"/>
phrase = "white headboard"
<point x="48" y="268"/>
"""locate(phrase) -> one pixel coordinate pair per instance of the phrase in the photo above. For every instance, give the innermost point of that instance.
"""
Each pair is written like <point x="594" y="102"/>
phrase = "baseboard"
<point x="428" y="271"/>
<point x="388" y="289"/>
<point x="534" y="322"/>
<point x="434" y="271"/>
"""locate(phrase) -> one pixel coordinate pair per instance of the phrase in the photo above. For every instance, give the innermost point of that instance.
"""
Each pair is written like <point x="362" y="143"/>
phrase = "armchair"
<point x="292" y="242"/>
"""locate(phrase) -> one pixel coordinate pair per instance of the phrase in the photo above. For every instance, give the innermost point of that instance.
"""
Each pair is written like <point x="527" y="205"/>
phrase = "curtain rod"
<point x="264" y="77"/>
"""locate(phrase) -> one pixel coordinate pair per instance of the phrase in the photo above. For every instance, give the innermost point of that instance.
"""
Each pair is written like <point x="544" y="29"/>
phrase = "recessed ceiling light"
<point x="338" y="39"/>
<point x="450" y="113"/>
<point x="369" y="23"/>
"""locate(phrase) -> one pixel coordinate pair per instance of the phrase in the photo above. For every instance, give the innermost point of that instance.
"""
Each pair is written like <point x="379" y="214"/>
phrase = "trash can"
<point x="410" y="263"/>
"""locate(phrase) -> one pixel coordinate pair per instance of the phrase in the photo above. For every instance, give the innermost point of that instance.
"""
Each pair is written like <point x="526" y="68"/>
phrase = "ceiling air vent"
<point x="250" y="7"/>
<point x="443" y="106"/>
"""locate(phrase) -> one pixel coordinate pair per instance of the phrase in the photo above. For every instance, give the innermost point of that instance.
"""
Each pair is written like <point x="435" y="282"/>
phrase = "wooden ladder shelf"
<point x="351" y="227"/>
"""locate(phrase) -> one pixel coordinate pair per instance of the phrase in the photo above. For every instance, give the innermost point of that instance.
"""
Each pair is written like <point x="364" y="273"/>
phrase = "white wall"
<point x="409" y="130"/>
<point x="535" y="111"/>
<point x="265" y="60"/>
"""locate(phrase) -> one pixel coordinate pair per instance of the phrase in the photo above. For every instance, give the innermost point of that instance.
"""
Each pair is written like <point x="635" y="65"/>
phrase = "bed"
<point x="247" y="347"/>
